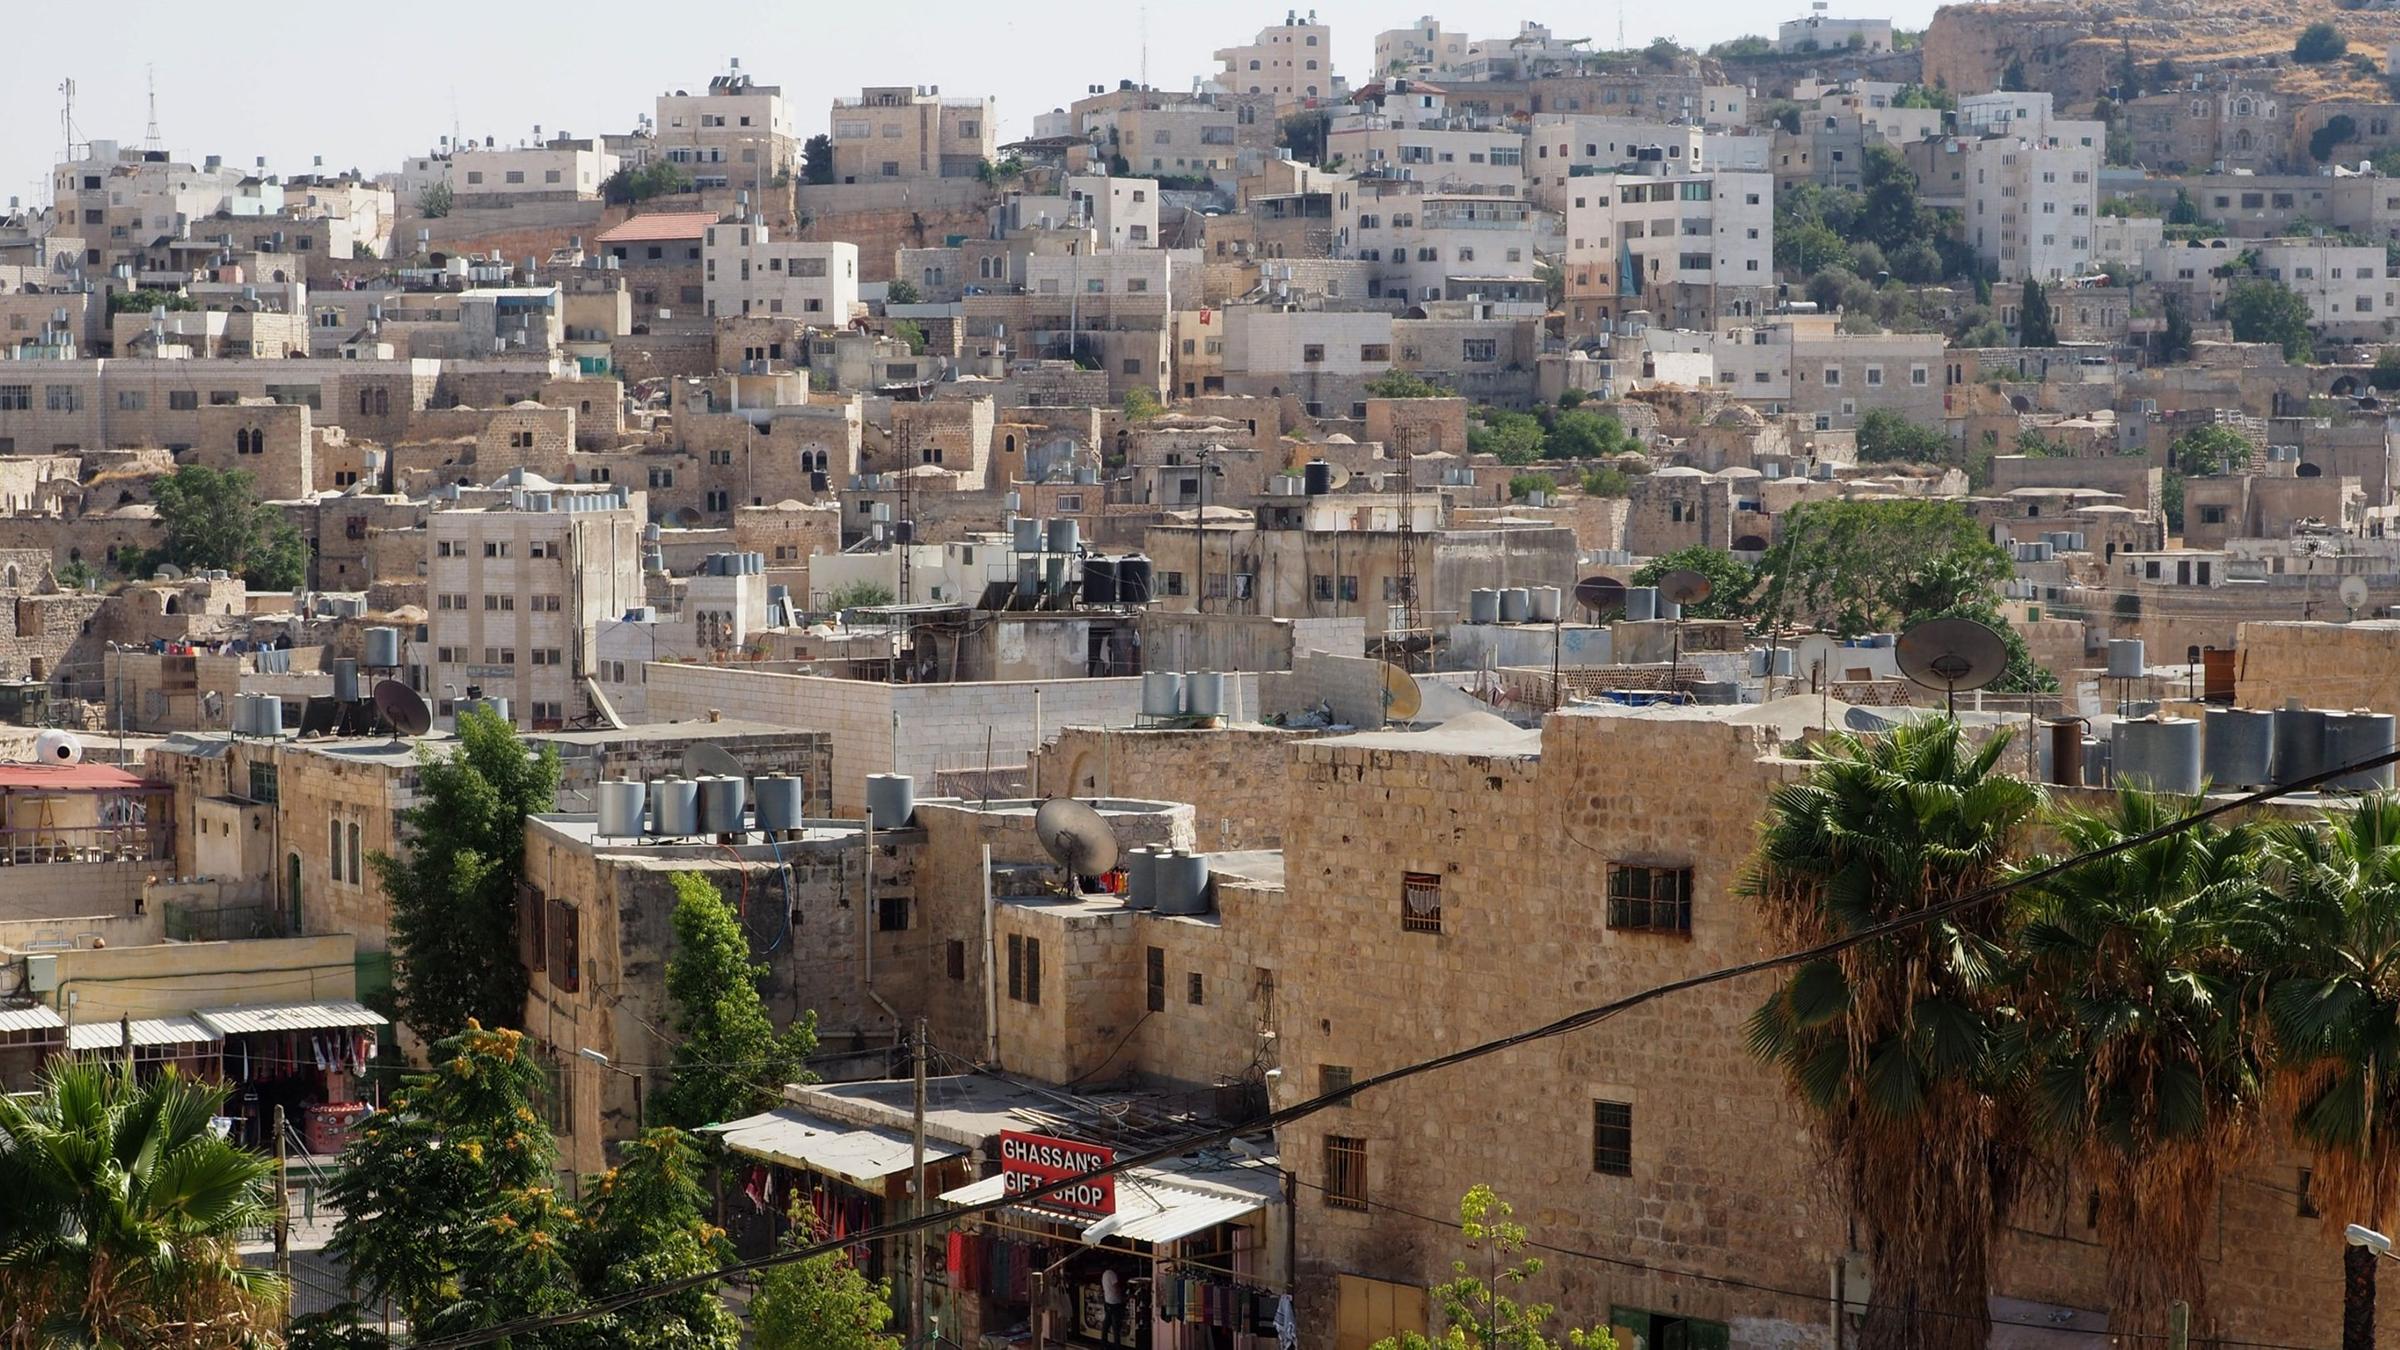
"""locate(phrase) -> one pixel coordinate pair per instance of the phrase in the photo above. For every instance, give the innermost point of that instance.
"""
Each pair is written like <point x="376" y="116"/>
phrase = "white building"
<point x="1563" y="146"/>
<point x="709" y="617"/>
<point x="516" y="590"/>
<point x="736" y="133"/>
<point x="2032" y="185"/>
<point x="2348" y="288"/>
<point x="1290" y="62"/>
<point x="744" y="270"/>
<point x="1691" y="250"/>
<point x="561" y="170"/>
<point x="1822" y="32"/>
<point x="1427" y="51"/>
<point x="1120" y="212"/>
<point x="1409" y="131"/>
<point x="1429" y="245"/>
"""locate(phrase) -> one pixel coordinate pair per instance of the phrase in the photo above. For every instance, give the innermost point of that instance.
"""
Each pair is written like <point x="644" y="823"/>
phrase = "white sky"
<point x="364" y="85"/>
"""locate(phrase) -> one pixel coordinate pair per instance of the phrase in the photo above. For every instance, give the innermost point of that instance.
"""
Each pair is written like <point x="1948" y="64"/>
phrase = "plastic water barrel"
<point x="675" y="807"/>
<point x="2238" y="747"/>
<point x="2353" y="736"/>
<point x="1162" y="693"/>
<point x="1204" y="693"/>
<point x="619" y="802"/>
<point x="782" y="802"/>
<point x="1516" y="604"/>
<point x="383" y="648"/>
<point x="1641" y="602"/>
<point x="892" y="797"/>
<point x="1483" y="606"/>
<point x="1141" y="877"/>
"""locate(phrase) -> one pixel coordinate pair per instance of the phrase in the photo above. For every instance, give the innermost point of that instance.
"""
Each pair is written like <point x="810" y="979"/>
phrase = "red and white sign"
<point x="1029" y="1162"/>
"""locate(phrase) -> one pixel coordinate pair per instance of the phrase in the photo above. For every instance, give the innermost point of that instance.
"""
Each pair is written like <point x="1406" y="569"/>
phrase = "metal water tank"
<point x="2353" y="736"/>
<point x="675" y="807"/>
<point x="2095" y="762"/>
<point x="619" y="802"/>
<point x="1054" y="573"/>
<point x="1162" y="693"/>
<point x="721" y="799"/>
<point x="1204" y="693"/>
<point x="1758" y="661"/>
<point x="1061" y="536"/>
<point x="1133" y="580"/>
<point x="892" y="799"/>
<point x="1141" y="876"/>
<point x="2238" y="747"/>
<point x="2160" y="753"/>
<point x="782" y="802"/>
<point x="1029" y="576"/>
<point x="1670" y="610"/>
<point x="1100" y="580"/>
<point x="2125" y="659"/>
<point x="1483" y="605"/>
<point x="1180" y="882"/>
<point x="1548" y="604"/>
<point x="1516" y="604"/>
<point x="1025" y="534"/>
<point x="345" y="679"/>
<point x="1782" y="665"/>
<point x="1641" y="602"/>
<point x="383" y="649"/>
<point x="2299" y="743"/>
<point x="1316" y="478"/>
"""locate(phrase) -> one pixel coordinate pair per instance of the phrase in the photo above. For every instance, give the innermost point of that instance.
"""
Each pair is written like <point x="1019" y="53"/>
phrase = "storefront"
<point x="310" y="1059"/>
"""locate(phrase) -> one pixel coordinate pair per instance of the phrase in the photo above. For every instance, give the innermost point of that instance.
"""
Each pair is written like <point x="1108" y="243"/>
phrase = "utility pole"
<point x="916" y="1265"/>
<point x="1404" y="439"/>
<point x="283" y="1208"/>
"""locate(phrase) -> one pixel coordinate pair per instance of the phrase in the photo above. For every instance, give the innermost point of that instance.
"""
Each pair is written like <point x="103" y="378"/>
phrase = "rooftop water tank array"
<point x="1162" y="693"/>
<point x="2162" y="754"/>
<point x="619" y="803"/>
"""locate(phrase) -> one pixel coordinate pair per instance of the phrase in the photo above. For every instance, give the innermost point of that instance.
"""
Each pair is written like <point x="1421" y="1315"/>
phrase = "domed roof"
<point x="1740" y="415"/>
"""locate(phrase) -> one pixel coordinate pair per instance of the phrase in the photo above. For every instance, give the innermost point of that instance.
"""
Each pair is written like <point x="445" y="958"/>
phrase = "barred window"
<point x="1650" y="899"/>
<point x="1345" y="1172"/>
<point x="1612" y="1138"/>
<point x="1420" y="902"/>
<point x="1157" y="967"/>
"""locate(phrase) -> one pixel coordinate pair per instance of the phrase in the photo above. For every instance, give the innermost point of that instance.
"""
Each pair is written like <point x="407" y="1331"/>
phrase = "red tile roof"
<point x="659" y="225"/>
<point x="66" y="778"/>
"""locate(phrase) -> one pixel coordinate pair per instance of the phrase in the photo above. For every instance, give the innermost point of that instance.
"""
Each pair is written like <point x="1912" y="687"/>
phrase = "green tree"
<point x="2262" y="309"/>
<point x="1303" y="133"/>
<point x="816" y="160"/>
<point x="147" y="298"/>
<point x="2148" y="1071"/>
<point x="1730" y="580"/>
<point x="2012" y="79"/>
<point x="125" y="1212"/>
<point x="2205" y="451"/>
<point x="1903" y="1051"/>
<point x="2035" y="326"/>
<point x="1608" y="481"/>
<point x="908" y="331"/>
<point x="2185" y="211"/>
<point x="629" y="185"/>
<point x="901" y="291"/>
<point x="645" y="1226"/>
<point x="1581" y="433"/>
<point x="2175" y="341"/>
<point x="1513" y="436"/>
<point x="822" y="1303"/>
<point x="1523" y="485"/>
<point x="1864" y="566"/>
<point x="2338" y="129"/>
<point x="213" y="518"/>
<point x="1892" y="217"/>
<point x="1140" y="405"/>
<point x="858" y="595"/>
<point x="2385" y="374"/>
<point x="2319" y="43"/>
<point x="454" y="894"/>
<point x="1480" y="1314"/>
<point x="435" y="201"/>
<point x="720" y="1021"/>
<point x="1884" y="435"/>
<point x="1406" y="384"/>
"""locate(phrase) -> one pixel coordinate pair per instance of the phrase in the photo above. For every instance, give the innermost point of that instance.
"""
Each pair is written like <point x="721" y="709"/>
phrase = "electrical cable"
<point x="1572" y="1022"/>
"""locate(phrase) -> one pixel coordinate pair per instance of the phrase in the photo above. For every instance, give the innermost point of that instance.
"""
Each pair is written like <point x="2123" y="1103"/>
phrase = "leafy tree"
<point x="901" y="291"/>
<point x="2170" y="504"/>
<point x="645" y="1225"/>
<point x="2319" y="43"/>
<point x="213" y="518"/>
<point x="1303" y="133"/>
<point x="1808" y="247"/>
<point x="1730" y="580"/>
<point x="2386" y="372"/>
<point x="721" y="1020"/>
<point x="910" y="332"/>
<point x="2185" y="211"/>
<point x="1571" y="398"/>
<point x="2037" y="446"/>
<point x="1406" y="384"/>
<point x="2175" y="341"/>
<point x="859" y="595"/>
<point x="1924" y="96"/>
<point x="1748" y="47"/>
<point x="2128" y="207"/>
<point x="1140" y="405"/>
<point x="1884" y="435"/>
<point x="629" y="185"/>
<point x="1513" y="436"/>
<point x="2338" y="129"/>
<point x="822" y="1303"/>
<point x="435" y="201"/>
<point x="125" y="1212"/>
<point x="1903" y="1050"/>
<point x="2262" y="309"/>
<point x="2208" y="450"/>
<point x="2035" y="325"/>
<point x="2150" y="1073"/>
<point x="1864" y="566"/>
<point x="1523" y="485"/>
<point x="454" y="896"/>
<point x="1891" y="217"/>
<point x="1481" y="1315"/>
<point x="1581" y="433"/>
<point x="77" y="575"/>
<point x="816" y="160"/>
<point x="148" y="298"/>
<point x="1608" y="481"/>
<point x="2012" y="79"/>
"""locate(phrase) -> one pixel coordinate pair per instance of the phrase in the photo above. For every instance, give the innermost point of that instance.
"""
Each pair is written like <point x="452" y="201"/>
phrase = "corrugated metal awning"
<point x="795" y="1138"/>
<point x="146" y="1031"/>
<point x="35" y="1018"/>
<point x="1153" y="1207"/>
<point x="327" y="1016"/>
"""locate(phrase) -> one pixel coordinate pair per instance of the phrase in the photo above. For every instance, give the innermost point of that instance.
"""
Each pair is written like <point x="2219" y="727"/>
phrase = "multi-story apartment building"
<point x="1120" y="212"/>
<point x="1692" y="250"/>
<point x="745" y="270"/>
<point x="1160" y="133"/>
<point x="1290" y="63"/>
<point x="892" y="132"/>
<point x="518" y="590"/>
<point x="1820" y="31"/>
<point x="2349" y="288"/>
<point x="1407" y="130"/>
<point x="736" y="133"/>
<point x="1429" y="245"/>
<point x="2031" y="185"/>
<point x="558" y="170"/>
<point x="1427" y="51"/>
<point x="1564" y="146"/>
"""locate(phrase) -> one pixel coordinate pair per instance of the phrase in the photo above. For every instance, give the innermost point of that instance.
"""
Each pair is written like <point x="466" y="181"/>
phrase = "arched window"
<point x="366" y="401"/>
<point x="2241" y="107"/>
<point x="2241" y="141"/>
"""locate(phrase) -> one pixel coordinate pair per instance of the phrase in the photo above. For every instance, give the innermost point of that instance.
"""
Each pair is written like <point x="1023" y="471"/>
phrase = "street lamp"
<point x="605" y="1062"/>
<point x="2360" y="1236"/>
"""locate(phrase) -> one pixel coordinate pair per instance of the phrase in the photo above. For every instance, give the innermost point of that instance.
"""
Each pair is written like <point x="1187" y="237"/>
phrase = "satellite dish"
<point x="1952" y="654"/>
<point x="2354" y="594"/>
<point x="1401" y="697"/>
<point x="169" y="572"/>
<point x="1684" y="587"/>
<point x="1600" y="596"/>
<point x="1076" y="837"/>
<point x="685" y="517"/>
<point x="710" y="760"/>
<point x="1338" y="477"/>
<point x="401" y="709"/>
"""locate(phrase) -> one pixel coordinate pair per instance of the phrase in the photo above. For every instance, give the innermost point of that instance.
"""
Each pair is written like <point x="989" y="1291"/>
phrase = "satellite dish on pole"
<point x="1600" y="596"/>
<point x="1402" y="699"/>
<point x="1684" y="587"/>
<point x="711" y="760"/>
<point x="2353" y="591"/>
<point x="401" y="709"/>
<point x="1952" y="654"/>
<point x="1076" y="837"/>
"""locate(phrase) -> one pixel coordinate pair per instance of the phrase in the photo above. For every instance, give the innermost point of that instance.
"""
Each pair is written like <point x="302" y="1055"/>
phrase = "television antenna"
<point x="1950" y="655"/>
<point x="151" y="140"/>
<point x="402" y="710"/>
<point x="1076" y="838"/>
<point x="1681" y="587"/>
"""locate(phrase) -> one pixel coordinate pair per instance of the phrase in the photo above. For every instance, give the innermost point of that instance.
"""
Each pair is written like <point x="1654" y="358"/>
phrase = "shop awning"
<point x="35" y="1018"/>
<point x="146" y="1031"/>
<point x="337" y="1014"/>
<point x="1155" y="1208"/>
<point x="858" y="1154"/>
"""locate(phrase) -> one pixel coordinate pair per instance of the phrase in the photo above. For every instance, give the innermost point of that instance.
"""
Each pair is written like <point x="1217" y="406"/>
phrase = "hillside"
<point x="2077" y="50"/>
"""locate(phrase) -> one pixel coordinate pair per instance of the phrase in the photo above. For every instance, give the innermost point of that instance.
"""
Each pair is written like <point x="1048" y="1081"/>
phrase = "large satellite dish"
<point x="400" y="707"/>
<point x="1684" y="587"/>
<point x="1401" y="697"/>
<point x="1952" y="654"/>
<point x="711" y="760"/>
<point x="2353" y="591"/>
<point x="1076" y="837"/>
<point x="1600" y="596"/>
<point x="169" y="572"/>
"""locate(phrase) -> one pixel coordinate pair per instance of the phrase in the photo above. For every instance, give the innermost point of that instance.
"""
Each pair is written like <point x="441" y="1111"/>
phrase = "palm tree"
<point x="1903" y="1047"/>
<point x="2149" y="1070"/>
<point x="123" y="1213"/>
<point x="2333" y="1006"/>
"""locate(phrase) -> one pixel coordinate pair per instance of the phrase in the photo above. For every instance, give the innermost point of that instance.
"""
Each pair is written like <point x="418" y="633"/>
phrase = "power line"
<point x="1576" y="1021"/>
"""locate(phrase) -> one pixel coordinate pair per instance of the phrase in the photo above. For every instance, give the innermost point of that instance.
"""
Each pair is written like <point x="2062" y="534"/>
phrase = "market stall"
<point x="185" y="1043"/>
<point x="847" y="1178"/>
<point x="311" y="1059"/>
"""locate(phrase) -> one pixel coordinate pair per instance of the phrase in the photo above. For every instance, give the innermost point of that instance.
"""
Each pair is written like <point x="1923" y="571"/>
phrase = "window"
<point x="178" y="400"/>
<point x="1333" y="1078"/>
<point x="1025" y="968"/>
<point x="1479" y="349"/>
<point x="1157" y="966"/>
<point x="2212" y="515"/>
<point x="1345" y="1172"/>
<point x="533" y="924"/>
<point x="1312" y="353"/>
<point x="891" y="914"/>
<point x="566" y="947"/>
<point x="334" y="849"/>
<point x="61" y="398"/>
<point x="262" y="783"/>
<point x="356" y="874"/>
<point x="1371" y="352"/>
<point x="1192" y="989"/>
<point x="956" y="953"/>
<point x="1612" y="1138"/>
<point x="16" y="397"/>
<point x="1420" y="902"/>
<point x="1650" y="899"/>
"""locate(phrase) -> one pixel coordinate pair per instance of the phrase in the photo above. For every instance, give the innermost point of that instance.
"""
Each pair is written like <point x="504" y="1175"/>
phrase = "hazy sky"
<point x="365" y="85"/>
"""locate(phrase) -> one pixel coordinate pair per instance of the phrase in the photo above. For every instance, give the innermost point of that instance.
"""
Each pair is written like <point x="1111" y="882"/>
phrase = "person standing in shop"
<point x="1112" y="1307"/>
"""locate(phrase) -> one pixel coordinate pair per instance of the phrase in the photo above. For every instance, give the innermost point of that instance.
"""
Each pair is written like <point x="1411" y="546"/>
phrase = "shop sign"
<point x="1029" y="1162"/>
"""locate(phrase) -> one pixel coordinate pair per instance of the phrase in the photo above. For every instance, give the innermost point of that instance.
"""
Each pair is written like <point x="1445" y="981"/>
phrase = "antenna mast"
<point x="66" y="117"/>
<point x="151" y="140"/>
<point x="1403" y="616"/>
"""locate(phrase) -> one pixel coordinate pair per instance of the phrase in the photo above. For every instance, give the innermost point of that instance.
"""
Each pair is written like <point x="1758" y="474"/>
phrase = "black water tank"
<point x="1316" y="478"/>
<point x="1100" y="581"/>
<point x="1133" y="580"/>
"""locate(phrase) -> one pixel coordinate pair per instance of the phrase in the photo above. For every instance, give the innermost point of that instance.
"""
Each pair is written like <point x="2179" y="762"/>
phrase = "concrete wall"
<point x="2324" y="665"/>
<point x="171" y="978"/>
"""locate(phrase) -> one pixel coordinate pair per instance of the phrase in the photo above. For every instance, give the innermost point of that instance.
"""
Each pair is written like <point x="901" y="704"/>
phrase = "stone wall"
<point x="1232" y="776"/>
<point x="2324" y="665"/>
